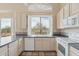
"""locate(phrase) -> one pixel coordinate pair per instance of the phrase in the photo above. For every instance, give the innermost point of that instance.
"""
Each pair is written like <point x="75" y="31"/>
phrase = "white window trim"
<point x="29" y="26"/>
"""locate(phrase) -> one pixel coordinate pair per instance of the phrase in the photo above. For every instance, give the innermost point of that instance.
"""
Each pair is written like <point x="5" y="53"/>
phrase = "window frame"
<point x="29" y="26"/>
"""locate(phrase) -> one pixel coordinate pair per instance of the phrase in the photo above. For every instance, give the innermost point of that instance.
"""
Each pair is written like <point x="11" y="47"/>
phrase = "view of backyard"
<point x="5" y="28"/>
<point x="40" y="25"/>
<point x="39" y="29"/>
<point x="6" y="31"/>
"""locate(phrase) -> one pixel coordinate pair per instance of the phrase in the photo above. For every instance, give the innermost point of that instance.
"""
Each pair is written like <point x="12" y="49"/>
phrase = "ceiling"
<point x="39" y="7"/>
<point x="49" y="8"/>
<point x="42" y="7"/>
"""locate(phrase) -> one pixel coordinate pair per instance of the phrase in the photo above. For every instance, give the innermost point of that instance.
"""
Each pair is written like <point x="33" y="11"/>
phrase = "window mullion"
<point x="40" y="26"/>
<point x="0" y="30"/>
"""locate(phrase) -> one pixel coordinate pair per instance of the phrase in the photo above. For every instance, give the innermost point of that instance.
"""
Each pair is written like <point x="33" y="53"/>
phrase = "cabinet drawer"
<point x="29" y="44"/>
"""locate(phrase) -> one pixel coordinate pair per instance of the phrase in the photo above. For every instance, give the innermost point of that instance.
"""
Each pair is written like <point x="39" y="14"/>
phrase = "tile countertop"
<point x="26" y="36"/>
<point x="9" y="40"/>
<point x="4" y="42"/>
<point x="68" y="40"/>
<point x="17" y="36"/>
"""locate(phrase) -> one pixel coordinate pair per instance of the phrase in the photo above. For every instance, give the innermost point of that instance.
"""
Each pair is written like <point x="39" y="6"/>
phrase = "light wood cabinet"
<point x="53" y="44"/>
<point x="13" y="48"/>
<point x="20" y="45"/>
<point x="29" y="44"/>
<point x="38" y="44"/>
<point x="74" y="8"/>
<point x="4" y="51"/>
<point x="66" y="10"/>
<point x="45" y="44"/>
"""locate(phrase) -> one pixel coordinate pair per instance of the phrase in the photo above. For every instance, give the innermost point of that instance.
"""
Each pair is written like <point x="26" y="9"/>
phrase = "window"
<point x="5" y="29"/>
<point x="40" y="26"/>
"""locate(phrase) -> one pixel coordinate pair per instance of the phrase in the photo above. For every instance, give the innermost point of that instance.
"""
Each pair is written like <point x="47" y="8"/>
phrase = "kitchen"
<point x="39" y="29"/>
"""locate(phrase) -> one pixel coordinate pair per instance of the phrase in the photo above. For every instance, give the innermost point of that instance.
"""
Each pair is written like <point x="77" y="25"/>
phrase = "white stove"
<point x="62" y="43"/>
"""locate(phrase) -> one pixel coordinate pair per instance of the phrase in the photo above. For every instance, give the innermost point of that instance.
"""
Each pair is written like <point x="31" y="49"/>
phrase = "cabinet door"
<point x="29" y="44"/>
<point x="13" y="48"/>
<point x="74" y="8"/>
<point x="66" y="10"/>
<point x="4" y="51"/>
<point x="38" y="44"/>
<point x="46" y="44"/>
<point x="53" y="44"/>
<point x="20" y="45"/>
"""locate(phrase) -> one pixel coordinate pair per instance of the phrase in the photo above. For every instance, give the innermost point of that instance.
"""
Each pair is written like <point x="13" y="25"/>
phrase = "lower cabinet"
<point x="4" y="51"/>
<point x="13" y="48"/>
<point x="38" y="44"/>
<point x="20" y="46"/>
<point x="29" y="44"/>
<point x="45" y="44"/>
<point x="53" y="44"/>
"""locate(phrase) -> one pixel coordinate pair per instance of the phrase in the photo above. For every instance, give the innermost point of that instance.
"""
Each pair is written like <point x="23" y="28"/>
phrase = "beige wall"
<point x="17" y="12"/>
<point x="20" y="13"/>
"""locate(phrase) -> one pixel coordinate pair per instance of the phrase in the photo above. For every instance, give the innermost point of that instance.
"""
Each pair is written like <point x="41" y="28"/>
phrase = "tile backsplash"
<point x="73" y="36"/>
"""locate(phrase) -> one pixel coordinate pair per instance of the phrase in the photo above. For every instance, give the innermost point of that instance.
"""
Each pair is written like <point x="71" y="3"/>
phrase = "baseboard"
<point x="38" y="51"/>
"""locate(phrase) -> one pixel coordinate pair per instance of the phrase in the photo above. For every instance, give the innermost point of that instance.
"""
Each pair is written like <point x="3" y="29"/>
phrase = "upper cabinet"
<point x="66" y="11"/>
<point x="69" y="17"/>
<point x="74" y="8"/>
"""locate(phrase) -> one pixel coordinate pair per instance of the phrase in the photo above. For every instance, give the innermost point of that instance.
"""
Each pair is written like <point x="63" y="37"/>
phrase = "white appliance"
<point x="63" y="43"/>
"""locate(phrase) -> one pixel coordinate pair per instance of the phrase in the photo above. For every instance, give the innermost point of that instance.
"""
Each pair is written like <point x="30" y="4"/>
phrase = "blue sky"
<point x="5" y="22"/>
